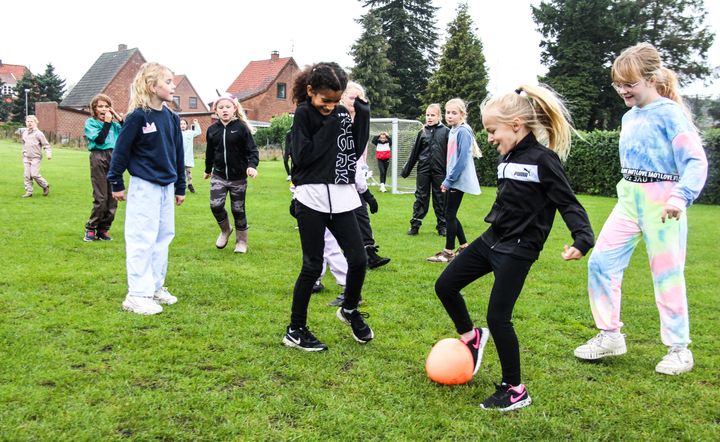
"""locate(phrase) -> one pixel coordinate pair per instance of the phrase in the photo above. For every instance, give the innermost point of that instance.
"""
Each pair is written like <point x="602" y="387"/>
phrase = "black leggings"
<point x="453" y="198"/>
<point x="311" y="225"/>
<point x="510" y="273"/>
<point x="383" y="167"/>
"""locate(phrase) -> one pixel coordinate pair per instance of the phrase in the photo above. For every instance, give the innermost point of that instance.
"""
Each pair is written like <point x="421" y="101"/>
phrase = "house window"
<point x="176" y="100"/>
<point x="6" y="89"/>
<point x="193" y="102"/>
<point x="281" y="91"/>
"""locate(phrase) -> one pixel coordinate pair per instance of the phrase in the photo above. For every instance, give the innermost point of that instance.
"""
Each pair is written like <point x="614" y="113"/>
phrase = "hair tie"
<point x="518" y="90"/>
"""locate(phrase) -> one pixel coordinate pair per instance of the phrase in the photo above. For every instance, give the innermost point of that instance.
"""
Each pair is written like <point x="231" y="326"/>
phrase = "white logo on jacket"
<point x="518" y="172"/>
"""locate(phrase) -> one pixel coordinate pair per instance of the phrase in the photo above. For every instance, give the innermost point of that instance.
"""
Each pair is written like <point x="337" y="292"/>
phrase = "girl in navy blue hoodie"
<point x="325" y="145"/>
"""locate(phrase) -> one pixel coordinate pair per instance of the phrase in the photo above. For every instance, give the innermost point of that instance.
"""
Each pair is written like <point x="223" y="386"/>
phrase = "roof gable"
<point x="97" y="78"/>
<point x="258" y="76"/>
<point x="14" y="72"/>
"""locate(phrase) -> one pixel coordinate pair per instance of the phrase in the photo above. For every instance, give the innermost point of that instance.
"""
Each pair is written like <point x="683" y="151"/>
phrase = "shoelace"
<point x="357" y="316"/>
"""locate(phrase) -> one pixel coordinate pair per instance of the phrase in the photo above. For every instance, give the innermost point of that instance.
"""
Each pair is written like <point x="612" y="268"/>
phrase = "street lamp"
<point x="26" y="102"/>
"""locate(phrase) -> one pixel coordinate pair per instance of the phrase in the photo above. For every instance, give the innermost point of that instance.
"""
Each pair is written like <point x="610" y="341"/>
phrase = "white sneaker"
<point x="141" y="305"/>
<point x="163" y="296"/>
<point x="604" y="344"/>
<point x="678" y="360"/>
<point x="382" y="188"/>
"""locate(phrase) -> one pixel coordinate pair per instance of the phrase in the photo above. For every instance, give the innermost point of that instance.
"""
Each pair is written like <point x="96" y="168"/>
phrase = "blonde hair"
<point x="239" y="111"/>
<point x="141" y="88"/>
<point x="540" y="109"/>
<point x="32" y="118"/>
<point x="462" y="107"/>
<point x="642" y="62"/>
<point x="354" y="85"/>
<point x="435" y="106"/>
<point x="94" y="102"/>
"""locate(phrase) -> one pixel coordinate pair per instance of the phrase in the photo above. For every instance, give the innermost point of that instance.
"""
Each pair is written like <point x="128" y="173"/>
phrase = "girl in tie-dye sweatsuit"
<point x="664" y="169"/>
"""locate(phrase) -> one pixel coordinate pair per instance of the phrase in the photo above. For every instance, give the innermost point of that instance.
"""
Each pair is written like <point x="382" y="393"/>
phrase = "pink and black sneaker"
<point x="507" y="398"/>
<point x="476" y="344"/>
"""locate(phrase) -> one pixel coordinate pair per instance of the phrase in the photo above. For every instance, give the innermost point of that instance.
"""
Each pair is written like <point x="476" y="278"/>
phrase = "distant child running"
<point x="101" y="133"/>
<point x="532" y="186"/>
<point x="231" y="157"/>
<point x="34" y="142"/>
<point x="188" y="134"/>
<point x="325" y="144"/>
<point x="150" y="147"/>
<point x="383" y="153"/>
<point x="461" y="177"/>
<point x="664" y="169"/>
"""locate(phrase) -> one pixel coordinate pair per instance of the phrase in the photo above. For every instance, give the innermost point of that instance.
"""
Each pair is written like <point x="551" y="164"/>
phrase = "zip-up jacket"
<point x="325" y="149"/>
<point x="429" y="151"/>
<point x="532" y="185"/>
<point x="230" y="150"/>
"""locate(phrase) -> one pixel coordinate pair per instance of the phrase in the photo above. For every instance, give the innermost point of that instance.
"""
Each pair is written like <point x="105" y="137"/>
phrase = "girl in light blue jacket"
<point x="461" y="177"/>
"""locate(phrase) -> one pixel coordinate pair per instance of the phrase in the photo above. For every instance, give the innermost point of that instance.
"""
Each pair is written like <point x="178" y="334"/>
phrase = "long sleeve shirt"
<point x="34" y="142"/>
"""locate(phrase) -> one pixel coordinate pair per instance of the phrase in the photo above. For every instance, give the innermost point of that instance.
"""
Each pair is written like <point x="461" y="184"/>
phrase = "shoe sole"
<point x="165" y="301"/>
<point x="340" y="316"/>
<point x="291" y="344"/>
<point x="599" y="355"/>
<point x="130" y="308"/>
<point x="380" y="263"/>
<point x="674" y="372"/>
<point x="521" y="404"/>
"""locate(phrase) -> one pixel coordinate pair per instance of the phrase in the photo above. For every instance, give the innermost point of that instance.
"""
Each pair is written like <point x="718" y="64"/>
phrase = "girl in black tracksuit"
<point x="230" y="157"/>
<point x="325" y="145"/>
<point x="532" y="185"/>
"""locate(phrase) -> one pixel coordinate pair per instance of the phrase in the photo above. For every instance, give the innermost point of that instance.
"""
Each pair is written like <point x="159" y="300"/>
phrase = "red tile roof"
<point x="14" y="71"/>
<point x="257" y="77"/>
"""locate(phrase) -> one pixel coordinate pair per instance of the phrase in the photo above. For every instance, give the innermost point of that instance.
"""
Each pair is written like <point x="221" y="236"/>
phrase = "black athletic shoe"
<point x="337" y="302"/>
<point x="477" y="346"/>
<point x="191" y="188"/>
<point x="507" y="397"/>
<point x="318" y="287"/>
<point x="442" y="231"/>
<point x="373" y="259"/>
<point x="303" y="339"/>
<point x="360" y="330"/>
<point x="414" y="230"/>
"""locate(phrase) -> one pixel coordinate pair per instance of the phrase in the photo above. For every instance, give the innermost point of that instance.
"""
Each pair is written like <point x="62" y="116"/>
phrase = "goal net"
<point x="403" y="134"/>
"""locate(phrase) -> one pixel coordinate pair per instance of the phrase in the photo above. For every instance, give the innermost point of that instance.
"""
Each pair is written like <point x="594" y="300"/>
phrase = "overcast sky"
<point x="211" y="42"/>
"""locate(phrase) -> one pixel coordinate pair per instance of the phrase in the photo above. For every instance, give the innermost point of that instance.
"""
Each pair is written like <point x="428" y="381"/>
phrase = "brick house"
<point x="112" y="74"/>
<point x="264" y="87"/>
<point x="10" y="74"/>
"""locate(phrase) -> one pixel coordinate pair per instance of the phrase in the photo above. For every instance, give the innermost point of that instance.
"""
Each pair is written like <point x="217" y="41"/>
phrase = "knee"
<point x="443" y="287"/>
<point x="357" y="260"/>
<point x="497" y="321"/>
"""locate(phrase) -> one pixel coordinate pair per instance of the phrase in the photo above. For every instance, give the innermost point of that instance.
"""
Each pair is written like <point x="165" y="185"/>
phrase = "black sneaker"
<point x="414" y="230"/>
<point x="318" y="287"/>
<point x="507" y="397"/>
<point x="360" y="330"/>
<point x="191" y="188"/>
<point x="373" y="259"/>
<point x="442" y="231"/>
<point x="303" y="339"/>
<point x="89" y="235"/>
<point x="337" y="302"/>
<point x="103" y="235"/>
<point x="477" y="346"/>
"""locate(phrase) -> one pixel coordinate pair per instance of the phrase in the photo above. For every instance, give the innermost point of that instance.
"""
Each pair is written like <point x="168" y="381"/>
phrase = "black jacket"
<point x="429" y="151"/>
<point x="230" y="150"/>
<point x="325" y="149"/>
<point x="531" y="186"/>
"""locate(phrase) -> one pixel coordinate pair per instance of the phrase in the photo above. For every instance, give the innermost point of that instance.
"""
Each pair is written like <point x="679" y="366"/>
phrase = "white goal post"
<point x="403" y="134"/>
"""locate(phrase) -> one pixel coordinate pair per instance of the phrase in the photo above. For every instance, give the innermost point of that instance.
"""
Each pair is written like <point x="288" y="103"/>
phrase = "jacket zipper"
<point x="227" y="174"/>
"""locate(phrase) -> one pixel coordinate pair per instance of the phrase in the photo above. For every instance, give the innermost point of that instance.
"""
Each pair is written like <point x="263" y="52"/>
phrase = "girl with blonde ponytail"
<point x="532" y="186"/>
<point x="664" y="169"/>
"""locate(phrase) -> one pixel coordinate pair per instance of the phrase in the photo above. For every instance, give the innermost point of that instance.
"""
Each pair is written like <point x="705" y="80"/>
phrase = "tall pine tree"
<point x="51" y="86"/>
<point x="372" y="67"/>
<point x="409" y="27"/>
<point x="461" y="72"/>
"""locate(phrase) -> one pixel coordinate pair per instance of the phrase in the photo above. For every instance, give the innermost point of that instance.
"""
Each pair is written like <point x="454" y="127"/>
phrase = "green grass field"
<point x="74" y="366"/>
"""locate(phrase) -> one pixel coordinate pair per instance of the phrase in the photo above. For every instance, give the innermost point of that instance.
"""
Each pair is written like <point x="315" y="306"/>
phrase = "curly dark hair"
<point x="320" y="76"/>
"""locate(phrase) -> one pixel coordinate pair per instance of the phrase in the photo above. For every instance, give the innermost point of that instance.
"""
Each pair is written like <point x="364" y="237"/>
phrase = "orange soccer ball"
<point x="449" y="362"/>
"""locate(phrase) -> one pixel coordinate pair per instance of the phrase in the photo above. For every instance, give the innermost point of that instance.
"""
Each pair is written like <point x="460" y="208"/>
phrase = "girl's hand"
<point x="571" y="253"/>
<point x="116" y="115"/>
<point x="179" y="199"/>
<point x="207" y="175"/>
<point x="443" y="189"/>
<point x="195" y="121"/>
<point x="251" y="172"/>
<point x="670" y="212"/>
<point x="107" y="117"/>
<point x="119" y="196"/>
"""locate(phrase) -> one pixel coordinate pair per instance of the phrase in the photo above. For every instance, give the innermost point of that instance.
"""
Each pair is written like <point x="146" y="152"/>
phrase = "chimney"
<point x="122" y="47"/>
<point x="274" y="55"/>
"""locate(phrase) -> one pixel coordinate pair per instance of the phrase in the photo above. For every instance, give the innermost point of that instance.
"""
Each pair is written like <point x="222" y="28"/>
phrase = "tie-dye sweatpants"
<point x="636" y="215"/>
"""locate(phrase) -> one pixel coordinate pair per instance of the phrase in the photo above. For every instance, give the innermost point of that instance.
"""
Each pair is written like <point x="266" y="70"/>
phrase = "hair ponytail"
<point x="320" y="76"/>
<point x="242" y="116"/>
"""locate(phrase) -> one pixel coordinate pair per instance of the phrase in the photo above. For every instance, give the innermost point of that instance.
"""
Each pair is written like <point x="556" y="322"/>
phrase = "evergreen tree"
<point x="372" y="67"/>
<point x="51" y="86"/>
<point x="461" y="72"/>
<point x="4" y="104"/>
<point x="28" y="81"/>
<point x="409" y="27"/>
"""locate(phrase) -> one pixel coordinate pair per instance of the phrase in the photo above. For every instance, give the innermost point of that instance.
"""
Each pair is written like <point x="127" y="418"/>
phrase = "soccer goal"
<point x="403" y="134"/>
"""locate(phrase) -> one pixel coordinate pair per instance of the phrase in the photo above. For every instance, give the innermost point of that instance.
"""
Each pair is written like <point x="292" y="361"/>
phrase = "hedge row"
<point x="593" y="166"/>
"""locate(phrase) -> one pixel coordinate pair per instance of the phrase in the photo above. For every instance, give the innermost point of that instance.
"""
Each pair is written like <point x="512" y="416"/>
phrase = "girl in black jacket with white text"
<point x="325" y="145"/>
<point x="531" y="186"/>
